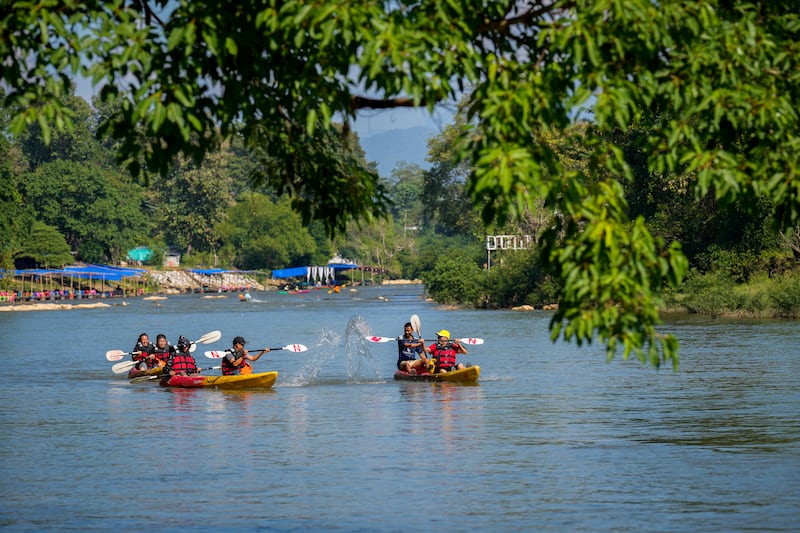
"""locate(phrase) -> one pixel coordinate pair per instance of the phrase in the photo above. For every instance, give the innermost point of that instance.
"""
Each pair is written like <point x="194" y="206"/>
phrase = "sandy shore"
<point x="45" y="306"/>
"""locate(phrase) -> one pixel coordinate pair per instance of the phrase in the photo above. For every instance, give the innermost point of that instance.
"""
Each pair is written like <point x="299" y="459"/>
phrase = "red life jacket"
<point x="445" y="355"/>
<point x="163" y="354"/>
<point x="182" y="363"/>
<point x="229" y="369"/>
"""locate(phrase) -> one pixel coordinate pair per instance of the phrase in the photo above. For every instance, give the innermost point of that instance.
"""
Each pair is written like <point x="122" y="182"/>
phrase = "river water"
<point x="552" y="438"/>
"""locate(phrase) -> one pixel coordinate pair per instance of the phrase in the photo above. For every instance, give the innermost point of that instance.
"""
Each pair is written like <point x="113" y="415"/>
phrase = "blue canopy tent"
<point x="315" y="273"/>
<point x="141" y="254"/>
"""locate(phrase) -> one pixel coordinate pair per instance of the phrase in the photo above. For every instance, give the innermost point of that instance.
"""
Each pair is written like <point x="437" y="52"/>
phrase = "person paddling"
<point x="444" y="351"/>
<point x="142" y="353"/>
<point x="407" y="350"/>
<point x="181" y="362"/>
<point x="236" y="359"/>
<point x="162" y="350"/>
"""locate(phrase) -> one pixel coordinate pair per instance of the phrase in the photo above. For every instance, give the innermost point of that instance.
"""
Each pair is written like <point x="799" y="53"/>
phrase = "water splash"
<point x="360" y="365"/>
<point x="359" y="356"/>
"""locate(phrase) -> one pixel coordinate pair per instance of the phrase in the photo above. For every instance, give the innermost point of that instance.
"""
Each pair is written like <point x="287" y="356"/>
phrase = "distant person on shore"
<point x="181" y="362"/>
<point x="443" y="352"/>
<point x="236" y="359"/>
<point x="408" y="348"/>
<point x="142" y="353"/>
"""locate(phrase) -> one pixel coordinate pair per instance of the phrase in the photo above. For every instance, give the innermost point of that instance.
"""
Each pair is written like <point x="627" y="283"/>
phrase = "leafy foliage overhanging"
<point x="725" y="76"/>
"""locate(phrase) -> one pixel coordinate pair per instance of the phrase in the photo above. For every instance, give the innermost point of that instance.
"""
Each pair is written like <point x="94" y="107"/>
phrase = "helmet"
<point x="443" y="333"/>
<point x="239" y="340"/>
<point x="183" y="343"/>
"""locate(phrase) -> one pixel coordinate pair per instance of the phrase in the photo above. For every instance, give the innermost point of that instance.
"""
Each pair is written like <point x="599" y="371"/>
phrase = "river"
<point x="553" y="438"/>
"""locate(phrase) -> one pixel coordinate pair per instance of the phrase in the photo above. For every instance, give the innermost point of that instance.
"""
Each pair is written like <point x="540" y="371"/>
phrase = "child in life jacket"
<point x="181" y="362"/>
<point x="236" y="359"/>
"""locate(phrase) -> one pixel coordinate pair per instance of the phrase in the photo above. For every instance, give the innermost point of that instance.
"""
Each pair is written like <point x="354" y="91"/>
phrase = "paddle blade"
<point x="123" y="367"/>
<point x="214" y="354"/>
<point x="293" y="348"/>
<point x="115" y="355"/>
<point x="471" y="340"/>
<point x="142" y="379"/>
<point x="416" y="325"/>
<point x="380" y="339"/>
<point x="208" y="338"/>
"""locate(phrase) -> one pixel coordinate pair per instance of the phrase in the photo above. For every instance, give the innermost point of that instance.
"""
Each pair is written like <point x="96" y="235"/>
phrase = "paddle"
<point x="415" y="325"/>
<point x="125" y="366"/>
<point x="289" y="348"/>
<point x="141" y="379"/>
<point x="467" y="340"/>
<point x="208" y="338"/>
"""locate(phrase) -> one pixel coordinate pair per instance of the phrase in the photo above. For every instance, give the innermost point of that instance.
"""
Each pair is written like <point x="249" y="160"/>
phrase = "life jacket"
<point x="405" y="352"/>
<point x="182" y="363"/>
<point x="229" y="369"/>
<point x="445" y="355"/>
<point x="162" y="355"/>
<point x="145" y="350"/>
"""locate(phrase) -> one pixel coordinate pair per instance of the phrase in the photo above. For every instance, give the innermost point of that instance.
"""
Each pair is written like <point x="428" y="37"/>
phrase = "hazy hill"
<point x="387" y="148"/>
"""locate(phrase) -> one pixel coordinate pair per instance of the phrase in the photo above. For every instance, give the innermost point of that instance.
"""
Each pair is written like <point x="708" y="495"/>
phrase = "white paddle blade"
<point x="208" y="338"/>
<point x="416" y="325"/>
<point x="295" y="348"/>
<point x="471" y="340"/>
<point x="380" y="339"/>
<point x="215" y="354"/>
<point x="123" y="367"/>
<point x="115" y="355"/>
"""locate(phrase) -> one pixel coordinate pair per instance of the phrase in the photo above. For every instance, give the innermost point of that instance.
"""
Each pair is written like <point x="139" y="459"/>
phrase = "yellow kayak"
<point x="263" y="380"/>
<point x="465" y="375"/>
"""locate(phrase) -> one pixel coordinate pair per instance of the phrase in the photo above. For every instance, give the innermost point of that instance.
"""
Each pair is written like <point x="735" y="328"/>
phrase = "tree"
<point x="46" y="247"/>
<point x="261" y="234"/>
<point x="98" y="212"/>
<point x="16" y="217"/>
<point x="724" y="74"/>
<point x="191" y="200"/>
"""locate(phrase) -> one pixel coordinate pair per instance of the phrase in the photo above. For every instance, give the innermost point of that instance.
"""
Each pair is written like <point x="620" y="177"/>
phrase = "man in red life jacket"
<point x="181" y="362"/>
<point x="443" y="352"/>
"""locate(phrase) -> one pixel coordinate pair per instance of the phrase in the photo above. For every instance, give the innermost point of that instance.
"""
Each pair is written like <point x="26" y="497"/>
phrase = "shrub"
<point x="785" y="296"/>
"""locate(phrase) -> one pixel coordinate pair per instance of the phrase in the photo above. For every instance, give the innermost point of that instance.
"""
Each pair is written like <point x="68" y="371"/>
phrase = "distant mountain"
<point x="389" y="147"/>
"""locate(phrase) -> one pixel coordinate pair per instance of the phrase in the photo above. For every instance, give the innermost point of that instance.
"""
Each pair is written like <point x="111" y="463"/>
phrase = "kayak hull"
<point x="262" y="380"/>
<point x="135" y="372"/>
<point x="466" y="375"/>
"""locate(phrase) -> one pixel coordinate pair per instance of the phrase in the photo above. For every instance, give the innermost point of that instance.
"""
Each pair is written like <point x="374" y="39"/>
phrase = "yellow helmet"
<point x="443" y="333"/>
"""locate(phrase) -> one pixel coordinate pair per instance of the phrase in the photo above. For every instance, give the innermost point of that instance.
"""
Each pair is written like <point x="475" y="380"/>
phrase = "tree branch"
<point x="360" y="102"/>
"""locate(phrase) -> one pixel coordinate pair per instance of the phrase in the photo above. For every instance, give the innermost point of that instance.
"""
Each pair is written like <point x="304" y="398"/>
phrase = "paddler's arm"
<point x="460" y="348"/>
<point x="255" y="357"/>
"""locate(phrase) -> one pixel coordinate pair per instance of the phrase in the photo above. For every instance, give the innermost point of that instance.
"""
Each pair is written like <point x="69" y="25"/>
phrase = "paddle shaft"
<point x="141" y="379"/>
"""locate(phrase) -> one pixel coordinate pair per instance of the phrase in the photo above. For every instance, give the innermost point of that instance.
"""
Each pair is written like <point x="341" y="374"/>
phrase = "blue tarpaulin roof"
<point x="108" y="273"/>
<point x="294" y="272"/>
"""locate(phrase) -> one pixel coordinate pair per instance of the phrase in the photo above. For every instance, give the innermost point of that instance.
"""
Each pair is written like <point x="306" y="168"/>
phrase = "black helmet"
<point x="239" y="340"/>
<point x="183" y="343"/>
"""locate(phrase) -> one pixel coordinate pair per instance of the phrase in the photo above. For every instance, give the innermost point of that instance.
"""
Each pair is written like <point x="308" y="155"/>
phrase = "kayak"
<point x="465" y="375"/>
<point x="135" y="372"/>
<point x="263" y="380"/>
